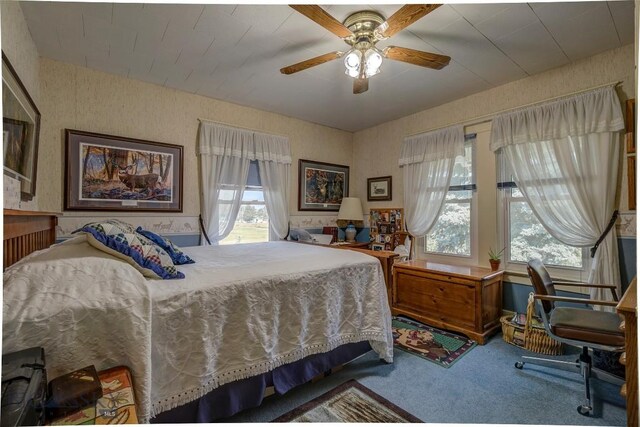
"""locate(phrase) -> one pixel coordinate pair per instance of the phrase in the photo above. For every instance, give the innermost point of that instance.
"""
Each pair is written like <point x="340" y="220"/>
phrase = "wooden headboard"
<point x="26" y="232"/>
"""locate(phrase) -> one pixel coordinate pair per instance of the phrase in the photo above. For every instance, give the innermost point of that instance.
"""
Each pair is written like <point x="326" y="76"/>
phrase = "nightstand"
<point x="361" y="245"/>
<point x="387" y="258"/>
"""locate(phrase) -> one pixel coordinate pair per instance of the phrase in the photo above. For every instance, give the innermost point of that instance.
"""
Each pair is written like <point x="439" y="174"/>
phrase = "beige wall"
<point x="19" y="48"/>
<point x="79" y="98"/>
<point x="83" y="99"/>
<point x="376" y="150"/>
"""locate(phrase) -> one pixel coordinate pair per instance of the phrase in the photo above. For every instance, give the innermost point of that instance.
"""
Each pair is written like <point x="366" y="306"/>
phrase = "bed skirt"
<point x="231" y="398"/>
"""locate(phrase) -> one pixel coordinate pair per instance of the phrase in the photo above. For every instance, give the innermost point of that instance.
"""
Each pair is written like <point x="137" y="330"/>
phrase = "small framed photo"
<point x="379" y="188"/>
<point x="377" y="247"/>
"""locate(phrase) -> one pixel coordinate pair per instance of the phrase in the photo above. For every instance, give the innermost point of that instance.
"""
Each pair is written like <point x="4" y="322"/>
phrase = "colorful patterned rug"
<point x="350" y="402"/>
<point x="435" y="345"/>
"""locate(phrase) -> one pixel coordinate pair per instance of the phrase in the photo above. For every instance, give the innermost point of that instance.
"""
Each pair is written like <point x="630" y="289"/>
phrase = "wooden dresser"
<point x="457" y="298"/>
<point x="628" y="308"/>
<point x="386" y="258"/>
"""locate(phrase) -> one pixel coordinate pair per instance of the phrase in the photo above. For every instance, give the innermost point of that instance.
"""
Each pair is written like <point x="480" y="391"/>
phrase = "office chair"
<point x="580" y="327"/>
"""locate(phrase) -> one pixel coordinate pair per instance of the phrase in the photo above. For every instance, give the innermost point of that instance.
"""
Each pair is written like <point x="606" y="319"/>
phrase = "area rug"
<point x="350" y="402"/>
<point x="435" y="345"/>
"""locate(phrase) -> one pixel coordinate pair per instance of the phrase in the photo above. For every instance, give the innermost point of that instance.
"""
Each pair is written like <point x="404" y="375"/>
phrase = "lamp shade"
<point x="350" y="209"/>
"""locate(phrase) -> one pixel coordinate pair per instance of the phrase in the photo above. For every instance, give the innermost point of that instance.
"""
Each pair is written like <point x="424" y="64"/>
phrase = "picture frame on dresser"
<point x="321" y="186"/>
<point x="21" y="131"/>
<point x="115" y="173"/>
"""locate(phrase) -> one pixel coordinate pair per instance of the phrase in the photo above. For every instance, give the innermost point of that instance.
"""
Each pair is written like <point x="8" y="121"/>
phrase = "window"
<point x="525" y="238"/>
<point x="252" y="222"/>
<point x="452" y="232"/>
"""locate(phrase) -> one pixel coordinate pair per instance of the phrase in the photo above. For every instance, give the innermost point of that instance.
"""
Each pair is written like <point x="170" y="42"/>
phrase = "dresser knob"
<point x="623" y="390"/>
<point x="623" y="358"/>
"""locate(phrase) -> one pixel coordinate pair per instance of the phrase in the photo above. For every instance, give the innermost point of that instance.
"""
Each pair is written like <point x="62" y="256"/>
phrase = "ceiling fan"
<point x="362" y="30"/>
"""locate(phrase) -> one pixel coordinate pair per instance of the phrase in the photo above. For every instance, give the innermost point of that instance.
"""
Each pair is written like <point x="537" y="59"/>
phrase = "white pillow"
<point x="323" y="239"/>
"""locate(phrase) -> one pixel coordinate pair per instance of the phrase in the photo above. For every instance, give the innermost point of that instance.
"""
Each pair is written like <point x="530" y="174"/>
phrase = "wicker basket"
<point x="533" y="339"/>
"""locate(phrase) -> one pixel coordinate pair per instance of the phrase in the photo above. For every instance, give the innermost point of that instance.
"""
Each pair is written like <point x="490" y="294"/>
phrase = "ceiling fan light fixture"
<point x="372" y="61"/>
<point x="353" y="73"/>
<point x="361" y="31"/>
<point x="352" y="60"/>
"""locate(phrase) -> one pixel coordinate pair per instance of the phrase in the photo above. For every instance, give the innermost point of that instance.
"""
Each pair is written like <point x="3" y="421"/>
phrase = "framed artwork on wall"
<point x="630" y="119"/>
<point x="106" y="172"/>
<point x="630" y="137"/>
<point x="20" y="131"/>
<point x="321" y="186"/>
<point x="379" y="188"/>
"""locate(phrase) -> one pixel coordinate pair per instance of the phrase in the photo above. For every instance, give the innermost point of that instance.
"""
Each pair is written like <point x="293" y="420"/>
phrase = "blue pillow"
<point x="177" y="256"/>
<point x="121" y="240"/>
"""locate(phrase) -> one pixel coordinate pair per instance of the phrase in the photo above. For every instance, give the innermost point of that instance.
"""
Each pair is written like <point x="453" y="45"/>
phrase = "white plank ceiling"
<point x="234" y="52"/>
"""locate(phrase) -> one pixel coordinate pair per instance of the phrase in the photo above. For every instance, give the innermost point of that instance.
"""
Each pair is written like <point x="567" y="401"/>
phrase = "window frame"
<point x="472" y="258"/>
<point x="250" y="202"/>
<point x="504" y="200"/>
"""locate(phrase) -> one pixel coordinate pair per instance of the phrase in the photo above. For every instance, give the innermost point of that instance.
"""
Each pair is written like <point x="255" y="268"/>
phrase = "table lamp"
<point x="350" y="210"/>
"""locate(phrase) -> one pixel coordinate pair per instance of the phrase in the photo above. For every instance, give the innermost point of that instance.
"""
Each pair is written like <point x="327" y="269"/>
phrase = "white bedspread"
<point x="84" y="307"/>
<point x="242" y="310"/>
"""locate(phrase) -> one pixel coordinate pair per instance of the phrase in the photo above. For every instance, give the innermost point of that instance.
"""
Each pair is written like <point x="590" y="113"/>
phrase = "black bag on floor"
<point x="24" y="387"/>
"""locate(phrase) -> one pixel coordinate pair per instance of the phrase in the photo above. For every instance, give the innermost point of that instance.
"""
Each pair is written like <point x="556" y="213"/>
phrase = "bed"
<point x="244" y="314"/>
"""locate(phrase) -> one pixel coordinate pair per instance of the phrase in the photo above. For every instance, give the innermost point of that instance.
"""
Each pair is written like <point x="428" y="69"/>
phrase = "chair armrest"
<point x="612" y="288"/>
<point x="575" y="300"/>
<point x="585" y="285"/>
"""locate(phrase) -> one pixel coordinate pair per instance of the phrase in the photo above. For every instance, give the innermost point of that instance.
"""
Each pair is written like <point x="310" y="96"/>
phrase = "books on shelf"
<point x="332" y="231"/>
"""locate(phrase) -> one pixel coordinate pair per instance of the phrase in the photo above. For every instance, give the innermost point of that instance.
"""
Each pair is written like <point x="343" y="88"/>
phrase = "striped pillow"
<point x="177" y="256"/>
<point x="121" y="240"/>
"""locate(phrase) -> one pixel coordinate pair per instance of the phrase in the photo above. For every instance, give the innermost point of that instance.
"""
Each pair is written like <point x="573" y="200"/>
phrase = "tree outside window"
<point x="451" y="234"/>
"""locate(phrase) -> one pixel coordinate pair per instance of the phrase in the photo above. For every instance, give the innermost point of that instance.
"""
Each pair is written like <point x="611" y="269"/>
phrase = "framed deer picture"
<point x="321" y="186"/>
<point x="106" y="172"/>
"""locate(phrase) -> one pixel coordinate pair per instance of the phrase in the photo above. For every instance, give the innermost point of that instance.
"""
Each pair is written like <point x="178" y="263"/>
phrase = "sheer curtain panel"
<point x="427" y="163"/>
<point x="274" y="166"/>
<point x="565" y="157"/>
<point x="225" y="154"/>
<point x="224" y="167"/>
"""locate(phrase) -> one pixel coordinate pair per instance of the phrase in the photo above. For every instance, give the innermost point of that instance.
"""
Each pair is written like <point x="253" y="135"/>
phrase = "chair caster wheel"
<point x="519" y="365"/>
<point x="584" y="410"/>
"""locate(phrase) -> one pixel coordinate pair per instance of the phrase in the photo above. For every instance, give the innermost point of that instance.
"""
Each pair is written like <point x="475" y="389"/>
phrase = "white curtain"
<point x="427" y="162"/>
<point x="224" y="167"/>
<point x="564" y="156"/>
<point x="225" y="154"/>
<point x="274" y="166"/>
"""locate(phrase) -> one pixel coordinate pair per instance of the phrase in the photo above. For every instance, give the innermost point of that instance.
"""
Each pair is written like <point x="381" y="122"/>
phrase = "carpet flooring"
<point x="435" y="345"/>
<point x="350" y="402"/>
<point x="483" y="387"/>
